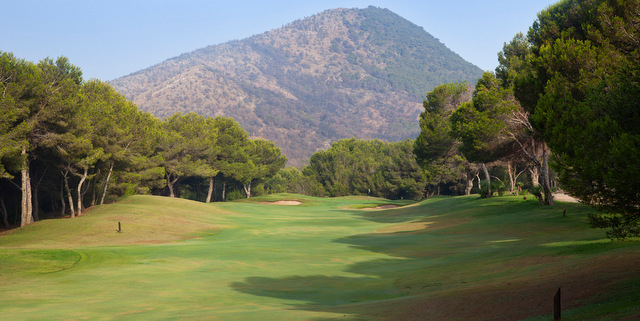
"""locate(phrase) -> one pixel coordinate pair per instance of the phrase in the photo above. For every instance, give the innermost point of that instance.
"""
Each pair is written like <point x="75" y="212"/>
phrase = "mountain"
<point x="338" y="74"/>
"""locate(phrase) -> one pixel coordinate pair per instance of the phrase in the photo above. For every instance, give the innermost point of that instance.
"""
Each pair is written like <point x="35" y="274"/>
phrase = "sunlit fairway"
<point x="446" y="258"/>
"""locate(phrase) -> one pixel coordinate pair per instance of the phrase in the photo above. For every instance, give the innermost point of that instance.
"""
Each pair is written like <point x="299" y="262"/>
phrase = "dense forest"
<point x="560" y="110"/>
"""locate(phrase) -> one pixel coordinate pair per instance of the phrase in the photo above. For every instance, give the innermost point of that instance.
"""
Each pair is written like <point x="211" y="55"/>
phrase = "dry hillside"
<point x="338" y="74"/>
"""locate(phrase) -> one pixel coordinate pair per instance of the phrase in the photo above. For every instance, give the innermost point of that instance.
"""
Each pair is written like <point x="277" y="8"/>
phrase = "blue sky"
<point x="112" y="38"/>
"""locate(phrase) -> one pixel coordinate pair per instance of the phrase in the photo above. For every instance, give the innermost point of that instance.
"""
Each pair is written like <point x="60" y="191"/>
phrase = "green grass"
<point x="445" y="258"/>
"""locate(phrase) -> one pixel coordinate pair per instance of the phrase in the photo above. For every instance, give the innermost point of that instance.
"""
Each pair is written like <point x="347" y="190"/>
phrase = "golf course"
<point x="294" y="257"/>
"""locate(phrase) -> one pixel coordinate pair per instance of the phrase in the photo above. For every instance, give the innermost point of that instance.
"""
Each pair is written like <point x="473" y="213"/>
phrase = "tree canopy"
<point x="66" y="144"/>
<point x="368" y="167"/>
<point x="580" y="84"/>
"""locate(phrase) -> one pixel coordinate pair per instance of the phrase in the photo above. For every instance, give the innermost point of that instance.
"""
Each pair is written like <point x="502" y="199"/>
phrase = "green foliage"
<point x="66" y="142"/>
<point x="537" y="191"/>
<point x="480" y="124"/>
<point x="236" y="194"/>
<point x="435" y="148"/>
<point x="291" y="180"/>
<point x="367" y="167"/>
<point x="581" y="86"/>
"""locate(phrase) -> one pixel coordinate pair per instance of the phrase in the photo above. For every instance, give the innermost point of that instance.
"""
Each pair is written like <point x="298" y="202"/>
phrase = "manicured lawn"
<point x="445" y="258"/>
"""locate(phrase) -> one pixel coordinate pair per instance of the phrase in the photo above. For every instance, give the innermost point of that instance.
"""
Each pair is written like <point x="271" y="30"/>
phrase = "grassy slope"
<point x="446" y="258"/>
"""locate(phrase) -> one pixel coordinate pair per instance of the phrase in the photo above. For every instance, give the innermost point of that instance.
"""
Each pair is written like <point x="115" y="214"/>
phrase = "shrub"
<point x="236" y="194"/>
<point x="537" y="192"/>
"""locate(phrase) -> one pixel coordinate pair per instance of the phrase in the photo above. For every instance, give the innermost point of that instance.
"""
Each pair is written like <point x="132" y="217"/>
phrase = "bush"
<point x="499" y="187"/>
<point x="483" y="191"/>
<point x="620" y="226"/>
<point x="236" y="194"/>
<point x="537" y="192"/>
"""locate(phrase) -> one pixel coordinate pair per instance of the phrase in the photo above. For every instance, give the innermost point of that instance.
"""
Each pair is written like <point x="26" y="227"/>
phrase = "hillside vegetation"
<point x="332" y="258"/>
<point x="337" y="74"/>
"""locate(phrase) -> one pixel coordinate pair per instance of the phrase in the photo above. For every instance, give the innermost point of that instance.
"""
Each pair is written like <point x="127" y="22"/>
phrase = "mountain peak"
<point x="337" y="74"/>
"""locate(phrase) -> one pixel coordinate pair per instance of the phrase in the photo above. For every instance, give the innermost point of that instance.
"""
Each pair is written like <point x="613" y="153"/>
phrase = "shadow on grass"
<point x="437" y="272"/>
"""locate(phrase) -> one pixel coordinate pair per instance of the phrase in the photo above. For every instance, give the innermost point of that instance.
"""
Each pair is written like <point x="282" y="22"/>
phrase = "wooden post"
<point x="119" y="227"/>
<point x="557" y="305"/>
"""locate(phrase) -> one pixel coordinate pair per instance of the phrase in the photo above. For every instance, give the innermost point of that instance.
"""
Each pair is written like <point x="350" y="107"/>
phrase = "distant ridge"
<point x="338" y="74"/>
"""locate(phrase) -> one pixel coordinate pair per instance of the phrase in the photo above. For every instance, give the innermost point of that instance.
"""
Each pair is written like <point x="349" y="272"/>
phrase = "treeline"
<point x="565" y="96"/>
<point x="367" y="167"/>
<point x="390" y="170"/>
<point x="67" y="143"/>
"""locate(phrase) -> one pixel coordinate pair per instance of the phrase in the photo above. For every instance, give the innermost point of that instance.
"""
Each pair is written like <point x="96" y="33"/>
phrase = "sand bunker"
<point x="292" y="202"/>
<point x="386" y="206"/>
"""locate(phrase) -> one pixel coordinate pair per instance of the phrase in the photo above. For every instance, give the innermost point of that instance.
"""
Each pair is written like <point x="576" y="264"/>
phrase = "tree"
<point x="480" y="123"/>
<point x="435" y="148"/>
<point x="580" y="86"/>
<point x="528" y="141"/>
<point x="231" y="139"/>
<point x="188" y="144"/>
<point x="37" y="100"/>
<point x="261" y="159"/>
<point x="125" y="134"/>
<point x="366" y="167"/>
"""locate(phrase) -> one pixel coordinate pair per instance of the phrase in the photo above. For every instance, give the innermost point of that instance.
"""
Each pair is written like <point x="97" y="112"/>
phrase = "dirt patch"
<point x="290" y="202"/>
<point x="565" y="198"/>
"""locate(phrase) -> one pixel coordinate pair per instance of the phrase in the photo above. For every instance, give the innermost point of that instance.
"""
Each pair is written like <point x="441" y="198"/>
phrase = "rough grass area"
<point x="143" y="219"/>
<point x="326" y="259"/>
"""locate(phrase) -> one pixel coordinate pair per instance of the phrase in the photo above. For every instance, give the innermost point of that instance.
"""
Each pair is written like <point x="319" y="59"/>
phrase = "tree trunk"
<point x="467" y="190"/>
<point x="171" y="183"/>
<point x="64" y="205"/>
<point x="247" y="189"/>
<point x="208" y="200"/>
<point x="535" y="175"/>
<point x="26" y="205"/>
<point x="69" y="197"/>
<point x="224" y="191"/>
<point x="5" y="216"/>
<point x="82" y="179"/>
<point x="106" y="184"/>
<point x="486" y="173"/>
<point x="479" y="186"/>
<point x="35" y="187"/>
<point x="512" y="177"/>
<point x="546" y="180"/>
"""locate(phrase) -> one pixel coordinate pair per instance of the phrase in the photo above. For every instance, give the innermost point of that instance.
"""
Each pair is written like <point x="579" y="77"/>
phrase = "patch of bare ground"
<point x="385" y="207"/>
<point x="560" y="197"/>
<point x="283" y="202"/>
<point x="515" y="299"/>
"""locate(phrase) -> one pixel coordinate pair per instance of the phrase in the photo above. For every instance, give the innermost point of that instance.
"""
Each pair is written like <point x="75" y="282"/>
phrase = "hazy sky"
<point x="112" y="38"/>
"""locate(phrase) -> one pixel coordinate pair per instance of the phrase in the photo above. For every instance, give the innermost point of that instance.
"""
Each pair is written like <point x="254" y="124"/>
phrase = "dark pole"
<point x="557" y="305"/>
<point x="119" y="227"/>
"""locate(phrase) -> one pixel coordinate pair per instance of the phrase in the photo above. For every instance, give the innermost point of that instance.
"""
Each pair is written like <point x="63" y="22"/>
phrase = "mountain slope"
<point x="337" y="74"/>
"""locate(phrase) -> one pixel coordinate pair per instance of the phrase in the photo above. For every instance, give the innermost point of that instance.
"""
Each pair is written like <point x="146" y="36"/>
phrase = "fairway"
<point x="324" y="259"/>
